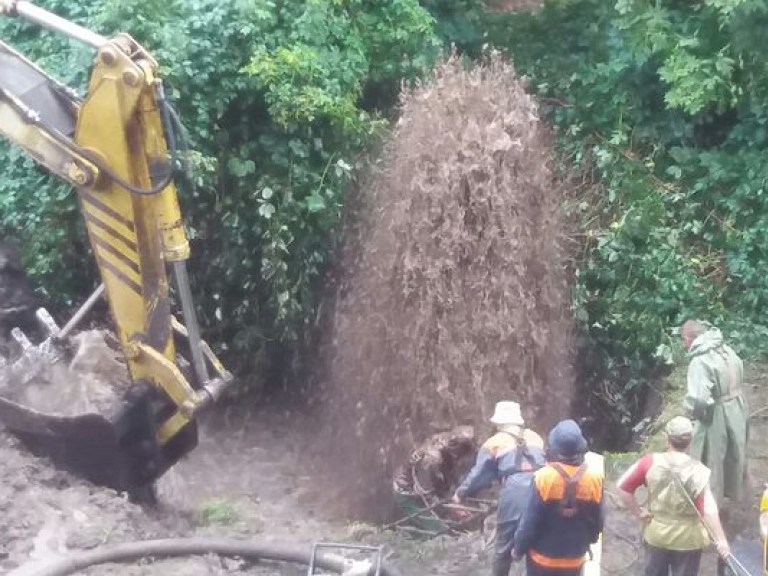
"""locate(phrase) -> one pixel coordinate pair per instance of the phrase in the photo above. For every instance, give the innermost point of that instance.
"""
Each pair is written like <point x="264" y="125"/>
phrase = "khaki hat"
<point x="679" y="426"/>
<point x="507" y="413"/>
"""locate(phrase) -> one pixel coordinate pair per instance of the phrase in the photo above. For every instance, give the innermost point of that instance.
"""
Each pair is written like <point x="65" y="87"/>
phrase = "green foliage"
<point x="272" y="95"/>
<point x="317" y="67"/>
<point x="704" y="61"/>
<point x="661" y="106"/>
<point x="459" y="22"/>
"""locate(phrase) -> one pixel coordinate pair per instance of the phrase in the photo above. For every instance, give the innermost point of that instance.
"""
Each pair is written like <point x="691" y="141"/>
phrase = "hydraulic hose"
<point x="173" y="547"/>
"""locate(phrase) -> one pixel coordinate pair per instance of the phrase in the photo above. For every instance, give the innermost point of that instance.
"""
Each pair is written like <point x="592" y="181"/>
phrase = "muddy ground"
<point x="247" y="479"/>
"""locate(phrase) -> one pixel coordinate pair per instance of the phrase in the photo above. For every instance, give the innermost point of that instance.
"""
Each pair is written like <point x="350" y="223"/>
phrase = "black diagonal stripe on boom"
<point x="99" y="205"/>
<point x="117" y="254"/>
<point x="103" y="262"/>
<point x="93" y="219"/>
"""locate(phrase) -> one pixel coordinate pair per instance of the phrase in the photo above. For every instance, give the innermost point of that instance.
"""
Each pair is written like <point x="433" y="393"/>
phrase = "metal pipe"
<point x="190" y="320"/>
<point x="129" y="552"/>
<point x="82" y="311"/>
<point x="56" y="23"/>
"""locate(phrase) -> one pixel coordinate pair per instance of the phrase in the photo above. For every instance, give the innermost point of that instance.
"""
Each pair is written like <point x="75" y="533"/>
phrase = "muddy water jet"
<point x="451" y="290"/>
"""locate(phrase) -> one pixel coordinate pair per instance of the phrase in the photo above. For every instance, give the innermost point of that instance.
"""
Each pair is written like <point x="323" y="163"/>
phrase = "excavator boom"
<point x="117" y="147"/>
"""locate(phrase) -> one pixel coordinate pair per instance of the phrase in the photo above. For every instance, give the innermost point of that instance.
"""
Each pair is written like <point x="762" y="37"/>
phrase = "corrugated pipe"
<point x="172" y="547"/>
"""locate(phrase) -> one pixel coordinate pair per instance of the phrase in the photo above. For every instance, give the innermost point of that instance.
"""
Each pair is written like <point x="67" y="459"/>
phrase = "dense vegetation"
<point x="278" y="98"/>
<point x="662" y="106"/>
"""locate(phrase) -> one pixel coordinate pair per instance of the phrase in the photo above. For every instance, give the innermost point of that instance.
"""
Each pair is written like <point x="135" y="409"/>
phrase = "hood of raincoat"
<point x="566" y="442"/>
<point x="703" y="343"/>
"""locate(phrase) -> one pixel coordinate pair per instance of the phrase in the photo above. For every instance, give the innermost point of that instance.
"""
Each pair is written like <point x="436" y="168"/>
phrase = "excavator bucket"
<point x="111" y="439"/>
<point x="118" y="450"/>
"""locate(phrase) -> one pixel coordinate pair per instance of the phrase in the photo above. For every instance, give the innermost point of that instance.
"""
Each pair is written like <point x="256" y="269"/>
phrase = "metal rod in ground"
<point x="411" y="516"/>
<point x="466" y="508"/>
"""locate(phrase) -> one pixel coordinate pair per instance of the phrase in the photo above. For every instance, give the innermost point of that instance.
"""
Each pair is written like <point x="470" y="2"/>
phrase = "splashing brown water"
<point x="451" y="290"/>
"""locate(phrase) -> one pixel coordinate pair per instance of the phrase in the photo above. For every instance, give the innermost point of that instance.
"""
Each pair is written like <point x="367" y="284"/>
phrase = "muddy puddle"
<point x="241" y="482"/>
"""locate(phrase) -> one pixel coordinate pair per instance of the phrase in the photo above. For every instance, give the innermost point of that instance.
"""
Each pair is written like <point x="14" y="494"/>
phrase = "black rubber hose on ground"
<point x="120" y="553"/>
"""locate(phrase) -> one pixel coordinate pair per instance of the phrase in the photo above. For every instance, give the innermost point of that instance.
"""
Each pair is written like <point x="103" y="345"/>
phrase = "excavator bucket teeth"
<point x="119" y="451"/>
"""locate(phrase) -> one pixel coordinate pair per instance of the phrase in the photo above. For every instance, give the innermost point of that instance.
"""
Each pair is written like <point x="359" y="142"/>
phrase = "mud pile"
<point x="451" y="291"/>
<point x="44" y="511"/>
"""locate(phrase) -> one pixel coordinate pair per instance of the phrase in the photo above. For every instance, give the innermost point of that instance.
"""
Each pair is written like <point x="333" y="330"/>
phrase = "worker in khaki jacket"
<point x="679" y="504"/>
<point x="715" y="401"/>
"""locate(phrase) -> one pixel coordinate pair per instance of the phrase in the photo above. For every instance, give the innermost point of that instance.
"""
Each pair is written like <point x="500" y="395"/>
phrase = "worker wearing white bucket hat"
<point x="507" y="413"/>
<point x="510" y="457"/>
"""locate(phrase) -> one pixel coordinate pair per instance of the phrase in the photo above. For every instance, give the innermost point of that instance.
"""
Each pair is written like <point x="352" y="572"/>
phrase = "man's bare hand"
<point x="8" y="6"/>
<point x="645" y="515"/>
<point x="722" y="548"/>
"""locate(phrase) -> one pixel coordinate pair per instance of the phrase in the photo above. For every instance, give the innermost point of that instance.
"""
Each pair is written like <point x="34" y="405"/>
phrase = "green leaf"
<point x="267" y="210"/>
<point x="315" y="203"/>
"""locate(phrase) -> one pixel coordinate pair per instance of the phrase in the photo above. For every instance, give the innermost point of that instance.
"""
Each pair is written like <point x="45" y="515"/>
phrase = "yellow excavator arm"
<point x="117" y="147"/>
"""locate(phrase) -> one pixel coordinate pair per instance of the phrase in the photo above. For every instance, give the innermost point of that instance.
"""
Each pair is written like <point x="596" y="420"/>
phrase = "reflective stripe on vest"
<point x="549" y="562"/>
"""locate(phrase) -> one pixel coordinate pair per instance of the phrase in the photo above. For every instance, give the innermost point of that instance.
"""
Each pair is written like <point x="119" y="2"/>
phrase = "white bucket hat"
<point x="507" y="413"/>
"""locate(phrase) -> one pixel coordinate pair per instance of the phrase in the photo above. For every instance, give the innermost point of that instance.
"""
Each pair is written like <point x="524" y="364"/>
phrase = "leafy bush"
<point x="661" y="106"/>
<point x="459" y="23"/>
<point x="272" y="94"/>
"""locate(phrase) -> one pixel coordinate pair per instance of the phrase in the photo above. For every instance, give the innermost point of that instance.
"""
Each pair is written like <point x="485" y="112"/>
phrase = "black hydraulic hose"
<point x="165" y="115"/>
<point x="172" y="547"/>
<point x="170" y="136"/>
<point x="183" y="139"/>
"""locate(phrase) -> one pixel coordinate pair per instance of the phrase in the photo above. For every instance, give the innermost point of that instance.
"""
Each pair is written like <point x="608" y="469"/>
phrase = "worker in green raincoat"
<point x="715" y="401"/>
